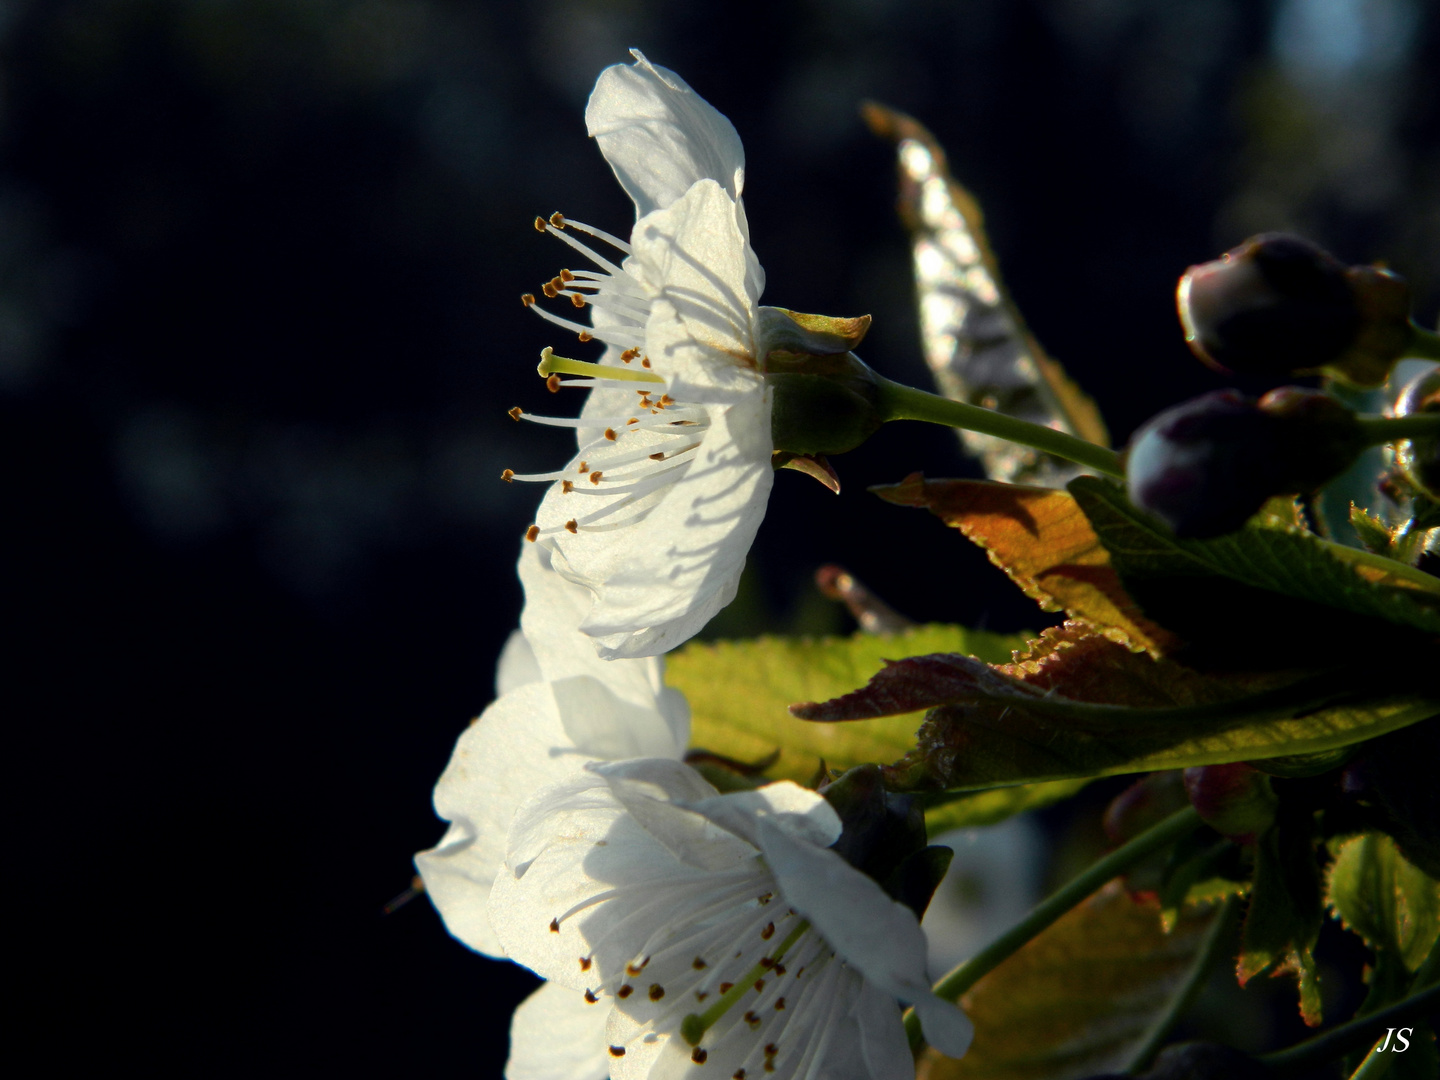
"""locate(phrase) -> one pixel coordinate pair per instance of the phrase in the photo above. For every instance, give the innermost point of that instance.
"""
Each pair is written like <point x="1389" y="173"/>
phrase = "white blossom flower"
<point x="716" y="934"/>
<point x="656" y="512"/>
<point x="559" y="707"/>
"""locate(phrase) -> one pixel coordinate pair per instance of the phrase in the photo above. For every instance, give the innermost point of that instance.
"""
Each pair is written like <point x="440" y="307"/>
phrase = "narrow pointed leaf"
<point x="974" y="339"/>
<point x="1285" y="912"/>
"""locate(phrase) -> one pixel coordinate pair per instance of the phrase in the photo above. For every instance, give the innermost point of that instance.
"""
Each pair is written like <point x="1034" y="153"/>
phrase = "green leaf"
<point x="739" y="694"/>
<point x="1390" y="903"/>
<point x="1049" y="716"/>
<point x="1077" y="999"/>
<point x="1374" y="533"/>
<point x="1285" y="561"/>
<point x="1283" y="920"/>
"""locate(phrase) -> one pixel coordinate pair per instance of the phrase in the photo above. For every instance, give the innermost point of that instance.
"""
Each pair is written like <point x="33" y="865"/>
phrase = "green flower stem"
<point x="899" y="402"/>
<point x="1384" y="429"/>
<point x="1352" y="1035"/>
<point x="1167" y="832"/>
<point x="1424" y="344"/>
<point x="1210" y="949"/>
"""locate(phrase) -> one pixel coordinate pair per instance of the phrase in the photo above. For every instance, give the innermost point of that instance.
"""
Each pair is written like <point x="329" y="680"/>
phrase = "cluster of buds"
<point x="1277" y="306"/>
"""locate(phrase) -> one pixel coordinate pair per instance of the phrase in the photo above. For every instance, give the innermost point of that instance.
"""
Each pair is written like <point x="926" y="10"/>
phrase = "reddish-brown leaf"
<point x="1043" y="541"/>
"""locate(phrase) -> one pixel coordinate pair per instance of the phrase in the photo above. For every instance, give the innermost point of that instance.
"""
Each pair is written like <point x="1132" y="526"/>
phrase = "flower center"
<point x="694" y="1026"/>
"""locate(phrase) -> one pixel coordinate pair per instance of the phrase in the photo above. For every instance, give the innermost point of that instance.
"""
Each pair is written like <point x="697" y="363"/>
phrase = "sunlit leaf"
<point x="1078" y="999"/>
<point x="974" y="339"/>
<point x="740" y="691"/>
<point x="1393" y="905"/>
<point x="1045" y="543"/>
<point x="1079" y="705"/>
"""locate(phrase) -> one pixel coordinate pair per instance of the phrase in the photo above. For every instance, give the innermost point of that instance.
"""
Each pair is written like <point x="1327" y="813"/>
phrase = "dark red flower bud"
<point x="1206" y="466"/>
<point x="1234" y="800"/>
<point x="1278" y="305"/>
<point x="1193" y="466"/>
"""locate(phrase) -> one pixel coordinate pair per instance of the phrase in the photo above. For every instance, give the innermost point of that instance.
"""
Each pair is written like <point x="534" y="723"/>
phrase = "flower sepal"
<point x="818" y="335"/>
<point x="883" y="836"/>
<point x="821" y="404"/>
<point x="813" y="466"/>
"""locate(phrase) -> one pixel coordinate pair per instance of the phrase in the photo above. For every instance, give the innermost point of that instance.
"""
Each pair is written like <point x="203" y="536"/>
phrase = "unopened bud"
<point x="1206" y="466"/>
<point x="1235" y="800"/>
<point x="1278" y="305"/>
<point x="1145" y="803"/>
<point x="1419" y="459"/>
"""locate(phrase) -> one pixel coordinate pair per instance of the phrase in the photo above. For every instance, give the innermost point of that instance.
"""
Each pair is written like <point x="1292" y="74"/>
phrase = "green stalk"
<point x="953" y="985"/>
<point x="1373" y="1067"/>
<point x="900" y="402"/>
<point x="1185" y="997"/>
<point x="1384" y="429"/>
<point x="1350" y="1036"/>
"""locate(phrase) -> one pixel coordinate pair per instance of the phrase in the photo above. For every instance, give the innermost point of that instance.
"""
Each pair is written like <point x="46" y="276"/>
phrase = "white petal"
<point x="651" y="790"/>
<point x="883" y="1044"/>
<point x="517" y="665"/>
<point x="700" y="336"/>
<point x="684" y="563"/>
<point x="605" y="728"/>
<point x="554" y="609"/>
<point x="877" y="936"/>
<point x="517" y="745"/>
<point x="556" y="1035"/>
<point x="584" y="879"/>
<point x="660" y="136"/>
<point x="803" y="813"/>
<point x="946" y="1027"/>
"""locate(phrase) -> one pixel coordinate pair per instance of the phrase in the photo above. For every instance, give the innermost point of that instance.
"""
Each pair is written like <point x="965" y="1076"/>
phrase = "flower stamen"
<point x="694" y="1026"/>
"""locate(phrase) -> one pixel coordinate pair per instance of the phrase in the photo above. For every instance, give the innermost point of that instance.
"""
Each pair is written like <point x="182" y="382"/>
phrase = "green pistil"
<point x="550" y="364"/>
<point x="694" y="1026"/>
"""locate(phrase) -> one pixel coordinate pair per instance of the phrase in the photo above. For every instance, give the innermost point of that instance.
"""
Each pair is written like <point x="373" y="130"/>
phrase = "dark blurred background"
<point x="260" y="267"/>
